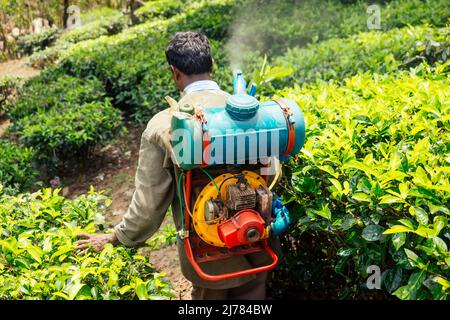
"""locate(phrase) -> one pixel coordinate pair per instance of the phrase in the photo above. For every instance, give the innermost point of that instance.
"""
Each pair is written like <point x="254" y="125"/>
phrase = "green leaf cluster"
<point x="17" y="168"/>
<point x="30" y="43"/>
<point x="374" y="177"/>
<point x="38" y="259"/>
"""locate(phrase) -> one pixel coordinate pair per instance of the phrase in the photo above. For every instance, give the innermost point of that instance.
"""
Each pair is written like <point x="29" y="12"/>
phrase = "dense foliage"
<point x="277" y="25"/>
<point x="38" y="259"/>
<point x="371" y="186"/>
<point x="43" y="93"/>
<point x="374" y="176"/>
<point x="8" y="88"/>
<point x="380" y="52"/>
<point x="60" y="134"/>
<point x="97" y="23"/>
<point x="17" y="172"/>
<point x="36" y="41"/>
<point x="159" y="9"/>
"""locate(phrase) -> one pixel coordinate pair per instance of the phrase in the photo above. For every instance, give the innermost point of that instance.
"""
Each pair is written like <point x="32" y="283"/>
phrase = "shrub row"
<point x="109" y="25"/>
<point x="292" y="23"/>
<point x="159" y="9"/>
<point x="132" y="65"/>
<point x="9" y="86"/>
<point x="372" y="183"/>
<point x="70" y="130"/>
<point x="17" y="171"/>
<point x="38" y="259"/>
<point x="377" y="52"/>
<point x="36" y="41"/>
<point x="41" y="93"/>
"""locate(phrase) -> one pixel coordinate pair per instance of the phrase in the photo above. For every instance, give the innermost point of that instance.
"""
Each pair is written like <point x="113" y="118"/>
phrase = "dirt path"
<point x="4" y="124"/>
<point x="17" y="68"/>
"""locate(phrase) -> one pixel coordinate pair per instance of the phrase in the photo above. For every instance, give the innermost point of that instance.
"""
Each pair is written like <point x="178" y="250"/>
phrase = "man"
<point x="191" y="64"/>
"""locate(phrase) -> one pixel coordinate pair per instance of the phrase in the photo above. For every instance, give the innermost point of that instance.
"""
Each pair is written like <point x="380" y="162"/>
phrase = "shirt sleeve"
<point x="151" y="199"/>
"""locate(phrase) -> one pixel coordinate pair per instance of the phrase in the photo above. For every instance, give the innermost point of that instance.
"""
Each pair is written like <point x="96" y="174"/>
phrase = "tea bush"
<point x="36" y="41"/>
<point x="293" y="23"/>
<point x="17" y="170"/>
<point x="71" y="130"/>
<point x="8" y="88"/>
<point x="213" y="18"/>
<point x="102" y="23"/>
<point x="372" y="181"/>
<point x="45" y="58"/>
<point x="38" y="259"/>
<point x="378" y="52"/>
<point x="95" y="23"/>
<point x="132" y="65"/>
<point x="43" y="94"/>
<point x="159" y="9"/>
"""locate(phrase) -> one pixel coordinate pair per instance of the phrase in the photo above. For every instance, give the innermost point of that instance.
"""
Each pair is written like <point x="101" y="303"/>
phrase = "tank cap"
<point x="242" y="106"/>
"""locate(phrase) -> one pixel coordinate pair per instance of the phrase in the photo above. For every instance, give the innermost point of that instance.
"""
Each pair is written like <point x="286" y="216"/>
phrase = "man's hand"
<point x="96" y="241"/>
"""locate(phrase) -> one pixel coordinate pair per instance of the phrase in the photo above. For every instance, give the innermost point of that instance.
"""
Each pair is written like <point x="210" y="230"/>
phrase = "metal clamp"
<point x="183" y="234"/>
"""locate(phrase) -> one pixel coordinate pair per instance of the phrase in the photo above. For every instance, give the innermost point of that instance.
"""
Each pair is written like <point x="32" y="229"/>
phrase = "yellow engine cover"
<point x="208" y="232"/>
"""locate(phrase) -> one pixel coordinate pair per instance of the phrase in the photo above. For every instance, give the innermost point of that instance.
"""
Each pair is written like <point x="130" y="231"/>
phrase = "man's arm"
<point x="151" y="199"/>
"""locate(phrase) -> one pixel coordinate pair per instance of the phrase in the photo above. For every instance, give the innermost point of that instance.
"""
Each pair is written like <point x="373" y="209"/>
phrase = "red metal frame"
<point x="287" y="112"/>
<point x="239" y="251"/>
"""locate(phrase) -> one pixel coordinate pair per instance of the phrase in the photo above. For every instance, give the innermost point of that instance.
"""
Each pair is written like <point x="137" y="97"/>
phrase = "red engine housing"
<point x="245" y="227"/>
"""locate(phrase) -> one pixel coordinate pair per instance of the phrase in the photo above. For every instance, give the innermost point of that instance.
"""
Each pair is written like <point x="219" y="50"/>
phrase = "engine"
<point x="241" y="212"/>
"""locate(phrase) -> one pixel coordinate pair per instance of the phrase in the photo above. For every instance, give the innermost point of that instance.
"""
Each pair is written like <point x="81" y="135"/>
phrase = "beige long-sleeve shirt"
<point x="155" y="192"/>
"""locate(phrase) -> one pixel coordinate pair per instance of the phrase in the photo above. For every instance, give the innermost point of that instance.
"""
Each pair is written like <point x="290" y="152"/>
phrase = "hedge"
<point x="372" y="183"/>
<point x="17" y="170"/>
<point x="62" y="133"/>
<point x="38" y="259"/>
<point x="377" y="52"/>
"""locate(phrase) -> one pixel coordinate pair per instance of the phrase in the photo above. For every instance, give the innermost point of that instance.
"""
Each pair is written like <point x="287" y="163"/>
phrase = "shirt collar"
<point x="200" y="86"/>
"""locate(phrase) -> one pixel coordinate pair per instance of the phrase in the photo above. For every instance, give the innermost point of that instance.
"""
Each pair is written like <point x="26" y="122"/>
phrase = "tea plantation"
<point x="370" y="188"/>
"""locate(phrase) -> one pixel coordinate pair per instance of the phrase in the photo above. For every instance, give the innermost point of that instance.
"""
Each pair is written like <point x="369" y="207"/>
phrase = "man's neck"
<point x="196" y="77"/>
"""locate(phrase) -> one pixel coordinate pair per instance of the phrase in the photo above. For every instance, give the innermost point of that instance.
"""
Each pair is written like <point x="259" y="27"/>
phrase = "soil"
<point x="4" y="124"/>
<point x="17" y="68"/>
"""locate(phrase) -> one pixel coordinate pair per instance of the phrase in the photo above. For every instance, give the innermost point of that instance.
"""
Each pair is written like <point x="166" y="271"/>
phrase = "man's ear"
<point x="176" y="73"/>
<point x="213" y="65"/>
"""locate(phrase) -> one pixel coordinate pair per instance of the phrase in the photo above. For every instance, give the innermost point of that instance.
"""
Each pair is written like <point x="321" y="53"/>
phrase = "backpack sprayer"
<point x="234" y="213"/>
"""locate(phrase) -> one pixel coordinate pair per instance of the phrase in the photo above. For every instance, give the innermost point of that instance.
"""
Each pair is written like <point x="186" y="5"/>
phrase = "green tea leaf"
<point x="439" y="223"/>
<point x="440" y="244"/>
<point x="416" y="279"/>
<point x="372" y="232"/>
<point x="392" y="279"/>
<point x="403" y="293"/>
<point x="420" y="214"/>
<point x="388" y="199"/>
<point x="361" y="197"/>
<point x="74" y="289"/>
<point x="398" y="239"/>
<point x="141" y="291"/>
<point x="35" y="252"/>
<point x="398" y="229"/>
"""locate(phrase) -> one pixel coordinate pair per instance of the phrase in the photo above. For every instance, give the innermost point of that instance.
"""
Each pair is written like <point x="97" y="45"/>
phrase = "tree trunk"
<point x="65" y="15"/>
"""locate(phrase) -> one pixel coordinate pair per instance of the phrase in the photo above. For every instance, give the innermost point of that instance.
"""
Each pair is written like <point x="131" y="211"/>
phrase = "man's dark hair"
<point x="190" y="53"/>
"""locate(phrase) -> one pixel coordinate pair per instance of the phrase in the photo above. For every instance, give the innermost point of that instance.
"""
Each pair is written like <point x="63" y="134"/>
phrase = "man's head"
<point x="189" y="57"/>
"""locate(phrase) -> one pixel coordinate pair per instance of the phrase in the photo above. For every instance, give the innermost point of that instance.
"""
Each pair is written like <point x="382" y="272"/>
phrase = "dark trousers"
<point x="252" y="290"/>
